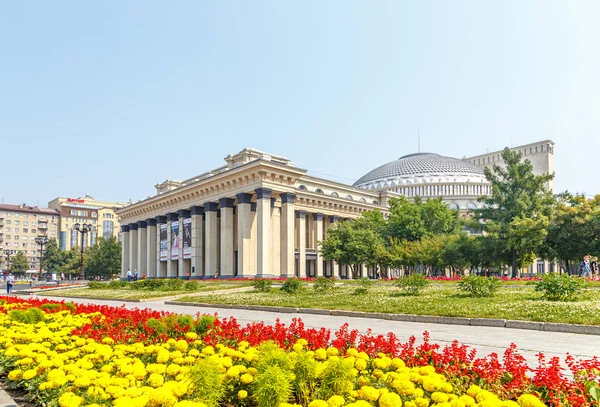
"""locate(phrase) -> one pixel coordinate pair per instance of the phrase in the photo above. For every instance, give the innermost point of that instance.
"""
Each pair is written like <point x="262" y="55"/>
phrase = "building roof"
<point x="29" y="209"/>
<point x="408" y="168"/>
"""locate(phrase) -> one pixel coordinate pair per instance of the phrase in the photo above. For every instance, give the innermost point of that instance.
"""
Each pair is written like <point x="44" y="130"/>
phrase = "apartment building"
<point x="21" y="224"/>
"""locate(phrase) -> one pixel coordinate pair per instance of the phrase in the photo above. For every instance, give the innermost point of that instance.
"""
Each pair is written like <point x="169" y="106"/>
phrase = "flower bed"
<point x="70" y="355"/>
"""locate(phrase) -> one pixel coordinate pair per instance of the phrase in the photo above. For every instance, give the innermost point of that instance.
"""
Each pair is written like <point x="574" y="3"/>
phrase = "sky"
<point x="110" y="98"/>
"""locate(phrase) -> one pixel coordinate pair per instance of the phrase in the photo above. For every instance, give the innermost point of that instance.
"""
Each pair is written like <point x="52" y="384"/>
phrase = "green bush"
<point x="291" y="285"/>
<point x="117" y="284"/>
<point x="204" y="324"/>
<point x="364" y="284"/>
<point x="272" y="387"/>
<point x="477" y="286"/>
<point x="324" y="284"/>
<point x="50" y="307"/>
<point x="412" y="284"/>
<point x="262" y="284"/>
<point x="205" y="376"/>
<point x="30" y="316"/>
<point x="190" y="286"/>
<point x="559" y="287"/>
<point x="172" y="284"/>
<point x="96" y="285"/>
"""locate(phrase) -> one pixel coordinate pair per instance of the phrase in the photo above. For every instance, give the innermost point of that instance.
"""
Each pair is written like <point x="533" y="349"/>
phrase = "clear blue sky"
<point x="111" y="97"/>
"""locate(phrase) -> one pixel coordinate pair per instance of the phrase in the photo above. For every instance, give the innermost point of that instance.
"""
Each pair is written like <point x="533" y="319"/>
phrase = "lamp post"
<point x="83" y="229"/>
<point x="8" y="253"/>
<point x="41" y="240"/>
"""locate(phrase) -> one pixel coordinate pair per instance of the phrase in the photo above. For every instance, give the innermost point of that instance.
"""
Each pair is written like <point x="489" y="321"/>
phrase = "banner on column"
<point x="163" y="242"/>
<point x="187" y="238"/>
<point x="175" y="240"/>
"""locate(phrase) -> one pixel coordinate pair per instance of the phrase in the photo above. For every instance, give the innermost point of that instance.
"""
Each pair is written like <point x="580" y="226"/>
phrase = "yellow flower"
<point x="390" y="400"/>
<point x="242" y="394"/>
<point x="246" y="378"/>
<point x="318" y="403"/>
<point x="529" y="400"/>
<point x="336" y="401"/>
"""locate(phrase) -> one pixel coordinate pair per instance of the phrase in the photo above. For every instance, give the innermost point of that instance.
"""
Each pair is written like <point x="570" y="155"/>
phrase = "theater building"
<point x="260" y="215"/>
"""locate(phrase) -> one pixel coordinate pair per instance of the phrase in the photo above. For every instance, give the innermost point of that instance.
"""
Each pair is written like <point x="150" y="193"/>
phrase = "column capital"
<point x="253" y="206"/>
<point x="226" y="203"/>
<point x="244" y="198"/>
<point x="142" y="224"/>
<point x="161" y="219"/>
<point x="184" y="213"/>
<point x="133" y="226"/>
<point x="333" y="218"/>
<point x="171" y="216"/>
<point x="197" y="210"/>
<point x="210" y="206"/>
<point x="273" y="200"/>
<point x="317" y="216"/>
<point x="301" y="214"/>
<point x="151" y="222"/>
<point x="125" y="228"/>
<point x="263" y="193"/>
<point x="287" y="197"/>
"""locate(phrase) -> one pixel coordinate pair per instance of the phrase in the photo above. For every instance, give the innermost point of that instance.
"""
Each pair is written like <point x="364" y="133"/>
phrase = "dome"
<point x="421" y="168"/>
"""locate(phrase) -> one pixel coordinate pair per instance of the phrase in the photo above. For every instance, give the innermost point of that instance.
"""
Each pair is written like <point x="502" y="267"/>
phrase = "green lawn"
<point x="439" y="300"/>
<point x="127" y="293"/>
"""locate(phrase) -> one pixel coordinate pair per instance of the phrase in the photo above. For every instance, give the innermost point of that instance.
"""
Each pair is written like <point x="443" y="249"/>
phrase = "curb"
<point x="6" y="400"/>
<point x="430" y="319"/>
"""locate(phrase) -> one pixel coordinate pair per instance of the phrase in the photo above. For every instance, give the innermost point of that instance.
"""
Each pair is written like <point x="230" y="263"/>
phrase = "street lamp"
<point x="8" y="253"/>
<point x="41" y="240"/>
<point x="83" y="229"/>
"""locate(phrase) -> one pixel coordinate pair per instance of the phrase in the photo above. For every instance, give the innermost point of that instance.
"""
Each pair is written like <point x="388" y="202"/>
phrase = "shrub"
<point x="204" y="324"/>
<point x="30" y="316"/>
<point x="272" y="387"/>
<point x="172" y="284"/>
<point x="291" y="285"/>
<point x="190" y="286"/>
<point x="364" y="284"/>
<point x="262" y="284"/>
<point x="559" y="287"/>
<point x="323" y="284"/>
<point x="95" y="285"/>
<point x="412" y="284"/>
<point x="477" y="286"/>
<point x="50" y="307"/>
<point x="205" y="376"/>
<point x="117" y="284"/>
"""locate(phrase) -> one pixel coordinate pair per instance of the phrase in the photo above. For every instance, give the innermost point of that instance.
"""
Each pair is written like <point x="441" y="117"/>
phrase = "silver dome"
<point x="421" y="168"/>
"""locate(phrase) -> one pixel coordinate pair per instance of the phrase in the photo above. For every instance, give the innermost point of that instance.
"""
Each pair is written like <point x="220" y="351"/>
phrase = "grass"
<point x="127" y="293"/>
<point x="440" y="300"/>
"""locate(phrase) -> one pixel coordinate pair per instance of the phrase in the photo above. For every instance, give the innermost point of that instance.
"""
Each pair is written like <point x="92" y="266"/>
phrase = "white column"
<point x="181" y="271"/>
<point x="227" y="257"/>
<point x="301" y="231"/>
<point x="133" y="246"/>
<point x="287" y="258"/>
<point x="151" y="248"/>
<point x="244" y="235"/>
<point x="171" y="265"/>
<point x="197" y="242"/>
<point x="125" y="251"/>
<point x="318" y="227"/>
<point x="160" y="220"/>
<point x="142" y="248"/>
<point x="253" y="240"/>
<point x="336" y="268"/>
<point x="263" y="218"/>
<point x="211" y="254"/>
<point x="274" y="239"/>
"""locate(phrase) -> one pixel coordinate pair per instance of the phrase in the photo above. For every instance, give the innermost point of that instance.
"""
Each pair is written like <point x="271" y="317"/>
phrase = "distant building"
<point x="100" y="214"/>
<point x="541" y="155"/>
<point x="21" y="224"/>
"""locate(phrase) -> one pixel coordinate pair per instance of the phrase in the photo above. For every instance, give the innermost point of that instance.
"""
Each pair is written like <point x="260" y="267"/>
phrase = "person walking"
<point x="135" y="274"/>
<point x="129" y="275"/>
<point x="594" y="266"/>
<point x="586" y="268"/>
<point x="10" y="281"/>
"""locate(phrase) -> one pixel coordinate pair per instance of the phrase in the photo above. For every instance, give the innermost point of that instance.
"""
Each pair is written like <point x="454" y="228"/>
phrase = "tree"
<point x="574" y="229"/>
<point x="518" y="210"/>
<point x="53" y="259"/>
<point x="19" y="263"/>
<point x="355" y="242"/>
<point x="104" y="259"/>
<point x="72" y="261"/>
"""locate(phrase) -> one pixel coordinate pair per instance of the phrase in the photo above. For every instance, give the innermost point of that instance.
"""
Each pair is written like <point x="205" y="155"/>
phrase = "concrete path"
<point x="485" y="339"/>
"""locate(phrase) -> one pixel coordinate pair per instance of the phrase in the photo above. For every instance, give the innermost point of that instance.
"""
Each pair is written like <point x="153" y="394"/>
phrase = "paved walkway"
<point x="485" y="339"/>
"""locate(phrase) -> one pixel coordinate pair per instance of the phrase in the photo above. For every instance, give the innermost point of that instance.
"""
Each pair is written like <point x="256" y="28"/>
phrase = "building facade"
<point x="100" y="214"/>
<point x="21" y="224"/>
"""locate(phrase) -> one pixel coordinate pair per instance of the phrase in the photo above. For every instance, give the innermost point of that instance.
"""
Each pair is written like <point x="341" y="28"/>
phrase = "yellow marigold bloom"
<point x="163" y="356"/>
<point x="209" y="350"/>
<point x="82" y="382"/>
<point x="191" y="335"/>
<point x="529" y="400"/>
<point x="439" y="397"/>
<point x="360" y="364"/>
<point x="331" y="351"/>
<point x="390" y="400"/>
<point x="15" y="374"/>
<point x="246" y="378"/>
<point x="421" y="402"/>
<point x="363" y="381"/>
<point x="467" y="400"/>
<point x="336" y="401"/>
<point x="368" y="393"/>
<point x="362" y="403"/>
<point x="69" y="399"/>
<point x="156" y="380"/>
<point x="181" y="345"/>
<point x="108" y="340"/>
<point x="297" y="347"/>
<point x="173" y="369"/>
<point x="509" y="403"/>
<point x="242" y="394"/>
<point x="320" y="354"/>
<point x="318" y="403"/>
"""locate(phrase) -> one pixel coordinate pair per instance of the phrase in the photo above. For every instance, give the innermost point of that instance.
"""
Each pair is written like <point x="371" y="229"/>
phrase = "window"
<point x="107" y="229"/>
<point x="34" y="231"/>
<point x="7" y="230"/>
<point x="73" y="212"/>
<point x="302" y="188"/>
<point x="335" y="194"/>
<point x="349" y="197"/>
<point x="24" y="237"/>
<point x="83" y="213"/>
<point x="540" y="268"/>
<point x="8" y="237"/>
<point x="17" y="222"/>
<point x="16" y="237"/>
<point x="8" y="222"/>
<point x="25" y="230"/>
<point x="73" y="238"/>
<point x="16" y="230"/>
<point x="53" y="233"/>
<point x="25" y="223"/>
<point x="33" y="224"/>
<point x="319" y="191"/>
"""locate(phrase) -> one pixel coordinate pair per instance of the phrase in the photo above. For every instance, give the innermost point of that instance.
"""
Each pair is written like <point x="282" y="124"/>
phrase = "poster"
<point x="187" y="238"/>
<point x="175" y="240"/>
<point x="163" y="242"/>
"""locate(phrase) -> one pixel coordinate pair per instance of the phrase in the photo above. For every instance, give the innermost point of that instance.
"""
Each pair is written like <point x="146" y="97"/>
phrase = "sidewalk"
<point x="485" y="339"/>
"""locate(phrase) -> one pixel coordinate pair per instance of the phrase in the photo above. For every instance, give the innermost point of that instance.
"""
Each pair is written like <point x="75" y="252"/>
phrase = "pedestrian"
<point x="10" y="281"/>
<point x="594" y="267"/>
<point x="586" y="267"/>
<point x="135" y="274"/>
<point x="129" y="274"/>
